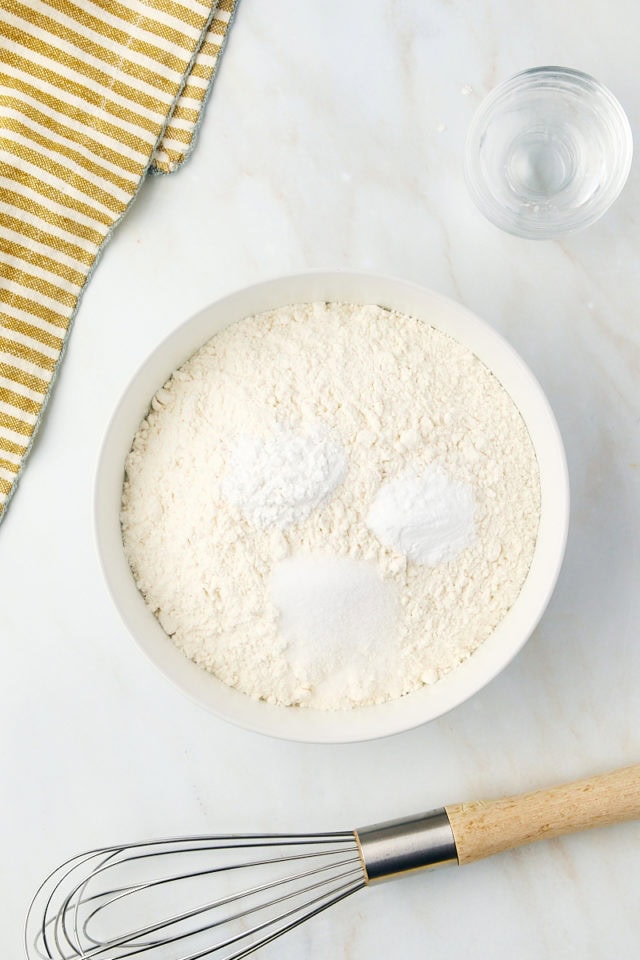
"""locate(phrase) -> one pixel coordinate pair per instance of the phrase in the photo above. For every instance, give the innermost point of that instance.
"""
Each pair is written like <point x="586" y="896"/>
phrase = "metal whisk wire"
<point x="300" y="876"/>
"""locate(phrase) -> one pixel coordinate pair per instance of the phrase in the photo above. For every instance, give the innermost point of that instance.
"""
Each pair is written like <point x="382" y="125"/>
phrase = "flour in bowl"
<point x="331" y="505"/>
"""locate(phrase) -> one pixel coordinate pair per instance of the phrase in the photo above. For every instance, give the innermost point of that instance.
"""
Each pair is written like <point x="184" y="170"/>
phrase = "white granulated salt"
<point x="280" y="479"/>
<point x="338" y="618"/>
<point x="405" y="455"/>
<point x="428" y="517"/>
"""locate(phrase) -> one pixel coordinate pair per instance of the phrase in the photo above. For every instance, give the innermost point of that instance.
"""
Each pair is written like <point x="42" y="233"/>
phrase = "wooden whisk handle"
<point x="483" y="828"/>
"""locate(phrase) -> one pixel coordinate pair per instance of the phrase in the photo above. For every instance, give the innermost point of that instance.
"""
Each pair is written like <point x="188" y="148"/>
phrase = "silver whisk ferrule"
<point x="403" y="846"/>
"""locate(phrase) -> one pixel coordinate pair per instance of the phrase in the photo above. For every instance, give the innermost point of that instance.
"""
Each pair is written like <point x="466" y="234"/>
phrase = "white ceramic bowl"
<point x="362" y="723"/>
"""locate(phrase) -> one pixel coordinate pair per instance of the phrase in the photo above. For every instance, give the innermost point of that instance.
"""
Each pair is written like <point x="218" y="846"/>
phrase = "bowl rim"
<point x="306" y="724"/>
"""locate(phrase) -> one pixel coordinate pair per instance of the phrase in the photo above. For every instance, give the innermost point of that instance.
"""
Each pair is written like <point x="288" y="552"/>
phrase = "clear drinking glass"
<point x="547" y="152"/>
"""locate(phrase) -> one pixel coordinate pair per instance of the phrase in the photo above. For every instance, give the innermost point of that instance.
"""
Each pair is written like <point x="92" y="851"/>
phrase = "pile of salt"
<point x="339" y="620"/>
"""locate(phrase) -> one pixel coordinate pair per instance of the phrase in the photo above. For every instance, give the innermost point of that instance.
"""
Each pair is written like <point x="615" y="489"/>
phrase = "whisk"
<point x="223" y="897"/>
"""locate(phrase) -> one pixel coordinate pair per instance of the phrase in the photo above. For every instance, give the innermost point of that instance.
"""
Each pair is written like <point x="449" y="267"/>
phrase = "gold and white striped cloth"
<point x="179" y="136"/>
<point x="93" y="94"/>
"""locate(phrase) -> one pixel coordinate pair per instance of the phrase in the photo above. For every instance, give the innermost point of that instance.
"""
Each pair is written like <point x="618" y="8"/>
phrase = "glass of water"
<point x="547" y="152"/>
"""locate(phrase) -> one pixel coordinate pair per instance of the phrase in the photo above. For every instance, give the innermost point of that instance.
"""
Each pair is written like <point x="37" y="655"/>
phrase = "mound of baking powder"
<point x="280" y="479"/>
<point x="330" y="505"/>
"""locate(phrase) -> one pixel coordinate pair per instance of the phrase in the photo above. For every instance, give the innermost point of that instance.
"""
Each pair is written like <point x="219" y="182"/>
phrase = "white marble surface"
<point x="334" y="139"/>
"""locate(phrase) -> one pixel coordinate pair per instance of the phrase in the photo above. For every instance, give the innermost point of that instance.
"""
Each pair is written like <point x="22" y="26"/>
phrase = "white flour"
<point x="398" y="449"/>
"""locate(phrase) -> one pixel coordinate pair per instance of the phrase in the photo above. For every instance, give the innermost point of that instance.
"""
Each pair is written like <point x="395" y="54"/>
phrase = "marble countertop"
<point x="334" y="138"/>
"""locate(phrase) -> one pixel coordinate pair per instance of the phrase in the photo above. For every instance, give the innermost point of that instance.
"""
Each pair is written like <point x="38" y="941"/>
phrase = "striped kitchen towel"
<point x="179" y="135"/>
<point x="93" y="95"/>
